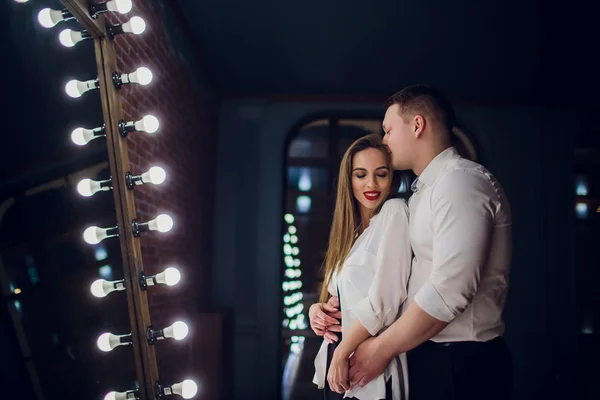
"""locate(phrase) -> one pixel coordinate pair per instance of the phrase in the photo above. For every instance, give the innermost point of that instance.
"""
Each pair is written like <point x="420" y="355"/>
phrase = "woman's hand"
<point x="337" y="376"/>
<point x="323" y="320"/>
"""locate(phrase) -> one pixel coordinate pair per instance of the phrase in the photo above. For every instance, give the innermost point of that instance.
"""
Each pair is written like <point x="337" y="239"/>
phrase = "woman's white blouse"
<point x="373" y="285"/>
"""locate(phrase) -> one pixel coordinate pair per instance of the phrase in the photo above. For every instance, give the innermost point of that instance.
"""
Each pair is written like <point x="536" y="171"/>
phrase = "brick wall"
<point x="185" y="146"/>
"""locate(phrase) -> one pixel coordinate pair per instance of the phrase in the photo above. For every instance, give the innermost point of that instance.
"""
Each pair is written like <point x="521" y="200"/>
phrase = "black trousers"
<point x="330" y="394"/>
<point x="460" y="371"/>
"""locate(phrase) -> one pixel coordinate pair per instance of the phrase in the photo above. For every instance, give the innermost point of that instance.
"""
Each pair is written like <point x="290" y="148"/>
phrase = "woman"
<point x="367" y="266"/>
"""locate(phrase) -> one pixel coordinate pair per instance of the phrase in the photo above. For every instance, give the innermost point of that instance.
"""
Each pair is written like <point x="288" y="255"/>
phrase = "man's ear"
<point x="418" y="125"/>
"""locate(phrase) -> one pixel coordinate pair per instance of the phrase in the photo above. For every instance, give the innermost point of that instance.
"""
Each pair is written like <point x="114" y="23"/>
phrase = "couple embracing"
<point x="412" y="300"/>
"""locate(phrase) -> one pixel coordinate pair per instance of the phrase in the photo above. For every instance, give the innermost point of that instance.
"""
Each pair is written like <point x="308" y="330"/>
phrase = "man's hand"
<point x="324" y="319"/>
<point x="367" y="362"/>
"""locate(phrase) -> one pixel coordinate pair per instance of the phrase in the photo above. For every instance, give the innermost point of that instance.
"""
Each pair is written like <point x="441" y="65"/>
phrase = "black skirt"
<point x="330" y="394"/>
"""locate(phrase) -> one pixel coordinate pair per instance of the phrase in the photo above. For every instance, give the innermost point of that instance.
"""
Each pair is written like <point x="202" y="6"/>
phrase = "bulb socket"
<point x="131" y="181"/>
<point x="97" y="9"/>
<point x="138" y="227"/>
<point x="114" y="30"/>
<point x="153" y="335"/>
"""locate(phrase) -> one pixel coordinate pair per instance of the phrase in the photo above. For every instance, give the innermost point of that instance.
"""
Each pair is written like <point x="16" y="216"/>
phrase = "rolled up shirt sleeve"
<point x="463" y="217"/>
<point x="392" y="259"/>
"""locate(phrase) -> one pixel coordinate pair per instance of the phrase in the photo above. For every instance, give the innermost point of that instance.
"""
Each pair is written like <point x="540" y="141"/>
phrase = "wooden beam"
<point x="137" y="301"/>
<point x="80" y="10"/>
<point x="131" y="252"/>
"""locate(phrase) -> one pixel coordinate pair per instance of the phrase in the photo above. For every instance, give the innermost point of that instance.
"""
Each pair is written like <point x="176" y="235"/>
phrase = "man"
<point x="460" y="228"/>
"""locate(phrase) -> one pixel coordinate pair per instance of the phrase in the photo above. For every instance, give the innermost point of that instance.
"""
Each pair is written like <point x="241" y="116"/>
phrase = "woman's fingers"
<point x="330" y="337"/>
<point x="331" y="311"/>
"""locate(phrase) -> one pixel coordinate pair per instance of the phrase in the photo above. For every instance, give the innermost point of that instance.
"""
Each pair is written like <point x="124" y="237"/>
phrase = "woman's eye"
<point x="383" y="176"/>
<point x="360" y="176"/>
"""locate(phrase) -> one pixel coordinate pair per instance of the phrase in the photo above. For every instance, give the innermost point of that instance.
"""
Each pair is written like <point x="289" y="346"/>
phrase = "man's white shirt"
<point x="460" y="230"/>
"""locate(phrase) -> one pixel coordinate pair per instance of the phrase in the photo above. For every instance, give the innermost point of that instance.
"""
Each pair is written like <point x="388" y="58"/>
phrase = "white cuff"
<point x="432" y="303"/>
<point x="368" y="317"/>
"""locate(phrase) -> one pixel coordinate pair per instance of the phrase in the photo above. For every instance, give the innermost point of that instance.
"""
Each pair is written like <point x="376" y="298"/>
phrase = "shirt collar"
<point x="428" y="176"/>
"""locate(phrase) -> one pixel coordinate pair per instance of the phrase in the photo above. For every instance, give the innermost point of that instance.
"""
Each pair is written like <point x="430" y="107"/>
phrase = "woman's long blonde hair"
<point x="346" y="218"/>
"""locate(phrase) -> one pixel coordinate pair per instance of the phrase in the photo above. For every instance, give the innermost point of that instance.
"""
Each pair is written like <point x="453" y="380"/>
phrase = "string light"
<point x="82" y="136"/>
<point x="135" y="25"/>
<point x="76" y="89"/>
<point x="129" y="395"/>
<point x="148" y="124"/>
<point x="155" y="175"/>
<point x="170" y="277"/>
<point x="186" y="389"/>
<point x="163" y="223"/>
<point x="48" y="17"/>
<point x="87" y="187"/>
<point x="94" y="234"/>
<point x="142" y="76"/>
<point x="70" y="38"/>
<point x="108" y="342"/>
<point x="102" y="288"/>
<point x="118" y="6"/>
<point x="178" y="331"/>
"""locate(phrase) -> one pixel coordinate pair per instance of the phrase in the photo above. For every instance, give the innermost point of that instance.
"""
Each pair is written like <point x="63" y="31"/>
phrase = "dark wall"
<point x="528" y="148"/>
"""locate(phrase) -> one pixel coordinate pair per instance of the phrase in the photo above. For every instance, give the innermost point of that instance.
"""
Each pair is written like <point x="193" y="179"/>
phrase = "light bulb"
<point x="186" y="389"/>
<point x="104" y="342"/>
<point x="21" y="1"/>
<point x="107" y="341"/>
<point x="162" y="223"/>
<point x="155" y="175"/>
<point x="147" y="124"/>
<point x="94" y="235"/>
<point x="69" y="38"/>
<point x="130" y="395"/>
<point x="169" y="277"/>
<point x="49" y="18"/>
<point x="177" y="331"/>
<point x="135" y="25"/>
<point x="142" y="75"/>
<point x="75" y="88"/>
<point x="87" y="187"/>
<point x="82" y="136"/>
<point x="120" y="6"/>
<point x="102" y="288"/>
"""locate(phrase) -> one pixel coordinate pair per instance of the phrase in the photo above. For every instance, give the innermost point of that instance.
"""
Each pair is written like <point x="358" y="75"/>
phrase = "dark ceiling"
<point x="505" y="52"/>
<point x="488" y="51"/>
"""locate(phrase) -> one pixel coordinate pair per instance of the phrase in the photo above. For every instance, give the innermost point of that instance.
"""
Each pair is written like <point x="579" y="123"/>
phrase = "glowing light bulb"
<point x="75" y="88"/>
<point x="149" y="124"/>
<point x="94" y="234"/>
<point x="21" y="1"/>
<point x="135" y="25"/>
<point x="162" y="223"/>
<point x="70" y="38"/>
<point x="102" y="288"/>
<point x="49" y="18"/>
<point x="82" y="136"/>
<point x="169" y="277"/>
<point x="87" y="187"/>
<point x="107" y="341"/>
<point x="155" y="175"/>
<point x="178" y="331"/>
<point x="130" y="395"/>
<point x="120" y="6"/>
<point x="186" y="389"/>
<point x="142" y="75"/>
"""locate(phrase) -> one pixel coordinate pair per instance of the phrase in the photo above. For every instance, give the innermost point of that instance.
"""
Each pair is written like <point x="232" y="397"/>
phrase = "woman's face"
<point x="371" y="177"/>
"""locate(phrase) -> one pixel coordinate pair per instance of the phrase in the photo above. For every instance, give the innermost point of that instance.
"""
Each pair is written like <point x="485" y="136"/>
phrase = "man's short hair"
<point x="423" y="100"/>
